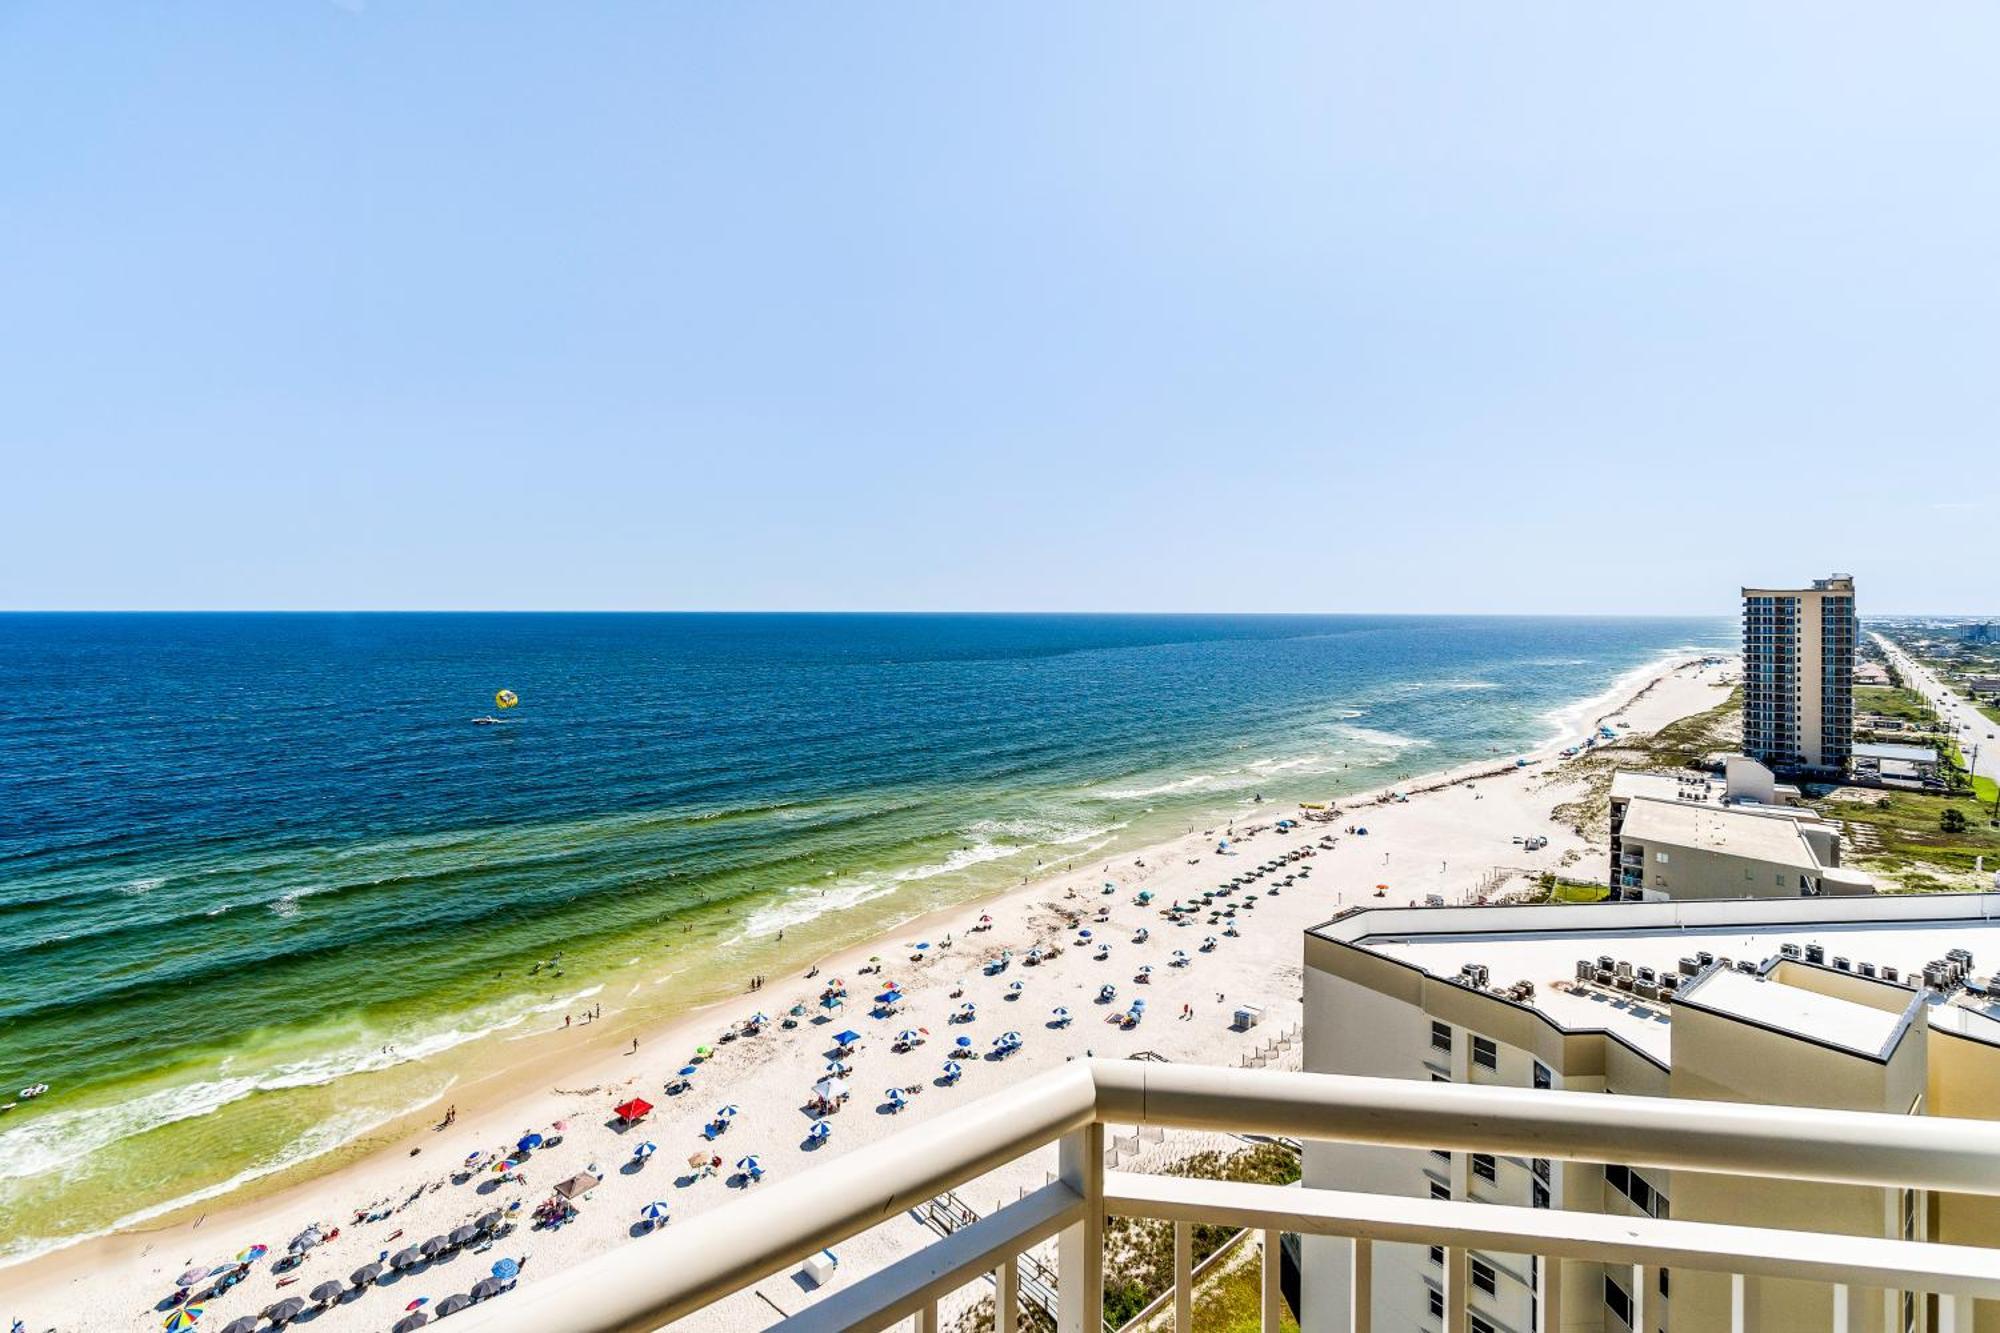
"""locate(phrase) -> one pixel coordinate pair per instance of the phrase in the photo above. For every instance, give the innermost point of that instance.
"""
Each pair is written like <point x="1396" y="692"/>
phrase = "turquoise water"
<point x="264" y="884"/>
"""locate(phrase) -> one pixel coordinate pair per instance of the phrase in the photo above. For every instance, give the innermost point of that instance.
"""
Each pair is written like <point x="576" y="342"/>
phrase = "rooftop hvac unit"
<point x="1601" y="977"/>
<point x="1671" y="982"/>
<point x="1624" y="969"/>
<point x="1585" y="969"/>
<point x="1690" y="966"/>
<point x="1647" y="974"/>
<point x="1960" y="955"/>
<point x="1646" y="990"/>
<point x="1747" y="967"/>
<point x="1791" y="950"/>
<point x="1522" y="990"/>
<point x="1815" y="954"/>
<point x="1704" y="957"/>
<point x="1473" y="975"/>
<point x="1890" y="973"/>
<point x="1935" y="975"/>
<point x="1865" y="969"/>
<point x="1840" y="962"/>
<point x="1622" y="980"/>
<point x="1605" y="962"/>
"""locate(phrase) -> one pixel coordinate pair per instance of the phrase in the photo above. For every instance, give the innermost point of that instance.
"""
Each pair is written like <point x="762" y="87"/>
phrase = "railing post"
<point x="1183" y="1277"/>
<point x="1273" y="1284"/>
<point x="1549" y="1293"/>
<point x="1080" y="1249"/>
<point x="1954" y="1314"/>
<point x="1007" y="1295"/>
<point x="1457" y="1280"/>
<point x="1840" y="1308"/>
<point x="1738" y="1321"/>
<point x="1639" y="1303"/>
<point x="926" y="1320"/>
<point x="1361" y="1288"/>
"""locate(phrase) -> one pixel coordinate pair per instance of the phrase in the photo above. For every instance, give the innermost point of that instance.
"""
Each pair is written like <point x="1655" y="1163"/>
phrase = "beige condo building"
<point x="1871" y="1003"/>
<point x="1798" y="675"/>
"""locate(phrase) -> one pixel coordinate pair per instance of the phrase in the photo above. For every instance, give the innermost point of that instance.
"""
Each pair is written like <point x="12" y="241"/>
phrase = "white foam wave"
<point x="1386" y="740"/>
<point x="1142" y="793"/>
<point x="139" y="888"/>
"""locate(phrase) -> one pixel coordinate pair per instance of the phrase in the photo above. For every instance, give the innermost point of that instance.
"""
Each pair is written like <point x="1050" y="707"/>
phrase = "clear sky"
<point x="1069" y="305"/>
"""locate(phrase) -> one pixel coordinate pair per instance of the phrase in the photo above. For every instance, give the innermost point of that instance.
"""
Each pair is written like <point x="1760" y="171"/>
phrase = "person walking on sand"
<point x="635" y="1046"/>
<point x="565" y="1020"/>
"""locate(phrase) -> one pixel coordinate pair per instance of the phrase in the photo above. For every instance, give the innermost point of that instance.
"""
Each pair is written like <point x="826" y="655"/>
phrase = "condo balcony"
<point x="661" y="1279"/>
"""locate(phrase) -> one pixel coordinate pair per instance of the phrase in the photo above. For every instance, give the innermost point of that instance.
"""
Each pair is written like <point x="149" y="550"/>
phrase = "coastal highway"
<point x="1976" y="731"/>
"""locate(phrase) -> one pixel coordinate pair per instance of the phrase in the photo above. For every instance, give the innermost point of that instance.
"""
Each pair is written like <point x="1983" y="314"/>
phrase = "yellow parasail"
<point x="506" y="698"/>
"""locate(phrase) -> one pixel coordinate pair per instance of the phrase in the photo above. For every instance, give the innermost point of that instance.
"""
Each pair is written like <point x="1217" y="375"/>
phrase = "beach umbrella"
<point x="747" y="1165"/>
<point x="285" y="1311"/>
<point x="964" y="1043"/>
<point x="654" y="1212"/>
<point x="986" y="918"/>
<point x="1145" y="969"/>
<point x="464" y="1235"/>
<point x="246" y="1324"/>
<point x="490" y="1221"/>
<point x="895" y="1097"/>
<point x="847" y="1038"/>
<point x="507" y="1269"/>
<point x="305" y="1240"/>
<point x="838" y="1067"/>
<point x="410" y="1323"/>
<point x="1083" y="934"/>
<point x="193" y="1276"/>
<point x="1179" y="955"/>
<point x="528" y="1142"/>
<point x="453" y="1304"/>
<point x="923" y="945"/>
<point x="472" y="1158"/>
<point x="830" y="1088"/>
<point x="409" y="1258"/>
<point x="1011" y="1038"/>
<point x="253" y="1254"/>
<point x="952" y="1069"/>
<point x="1017" y="987"/>
<point x="728" y="1112"/>
<point x="907" y="1035"/>
<point x="365" y="1274"/>
<point x="820" y="1132"/>
<point x="687" y="1071"/>
<point x="889" y="997"/>
<point x="184" y="1318"/>
<point x="645" y="1150"/>
<point x="326" y="1293"/>
<point x="1000" y="1043"/>
<point x="632" y="1110"/>
<point x="435" y="1246"/>
<point x="487" y="1288"/>
<point x="417" y="1304"/>
<point x="1060" y="1014"/>
<point x="704" y="1051"/>
<point x="966" y="1010"/>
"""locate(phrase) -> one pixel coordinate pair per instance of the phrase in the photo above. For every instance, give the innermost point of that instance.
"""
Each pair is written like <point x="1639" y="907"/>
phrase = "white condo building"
<point x="1870" y="1003"/>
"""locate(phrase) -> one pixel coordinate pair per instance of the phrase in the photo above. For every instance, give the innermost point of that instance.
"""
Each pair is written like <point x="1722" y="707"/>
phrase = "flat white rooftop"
<point x="1759" y="837"/>
<point x="1824" y="1018"/>
<point x="1542" y="944"/>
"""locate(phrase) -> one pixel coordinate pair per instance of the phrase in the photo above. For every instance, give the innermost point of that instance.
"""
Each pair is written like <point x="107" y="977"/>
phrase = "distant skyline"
<point x="1046" y="307"/>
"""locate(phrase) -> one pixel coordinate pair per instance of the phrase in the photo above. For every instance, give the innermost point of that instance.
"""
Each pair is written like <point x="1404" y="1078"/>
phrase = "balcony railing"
<point x="652" y="1282"/>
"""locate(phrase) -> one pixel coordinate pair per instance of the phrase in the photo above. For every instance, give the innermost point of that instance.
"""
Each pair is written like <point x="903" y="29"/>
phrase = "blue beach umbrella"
<point x="507" y="1269"/>
<point x="645" y="1150"/>
<point x="964" y="1043"/>
<point x="748" y="1165"/>
<point x="847" y="1038"/>
<point x="688" y="1071"/>
<point x="952" y="1069"/>
<point x="923" y="945"/>
<point x="895" y="1097"/>
<point x="727" y="1112"/>
<point x="655" y="1211"/>
<point x="907" y="1035"/>
<point x="820" y="1132"/>
<point x="528" y="1141"/>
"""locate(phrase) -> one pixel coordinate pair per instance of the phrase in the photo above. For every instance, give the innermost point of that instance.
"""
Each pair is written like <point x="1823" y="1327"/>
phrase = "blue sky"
<point x="1154" y="306"/>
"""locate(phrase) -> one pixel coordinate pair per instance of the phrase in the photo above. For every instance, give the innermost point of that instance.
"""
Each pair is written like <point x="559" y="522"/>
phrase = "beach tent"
<point x="580" y="1183"/>
<point x="636" y="1109"/>
<point x="830" y="1089"/>
<point x="847" y="1038"/>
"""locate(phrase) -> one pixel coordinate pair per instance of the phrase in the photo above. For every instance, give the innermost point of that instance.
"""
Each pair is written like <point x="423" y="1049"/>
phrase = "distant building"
<point x="1688" y="836"/>
<point x="1798" y="676"/>
<point x="1871" y="673"/>
<point x="1910" y="765"/>
<point x="1858" y="1003"/>
<point x="1986" y="633"/>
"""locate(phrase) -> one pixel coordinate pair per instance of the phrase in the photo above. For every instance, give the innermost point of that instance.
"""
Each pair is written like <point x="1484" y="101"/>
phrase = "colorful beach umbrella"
<point x="184" y="1318"/>
<point x="253" y="1254"/>
<point x="820" y="1132"/>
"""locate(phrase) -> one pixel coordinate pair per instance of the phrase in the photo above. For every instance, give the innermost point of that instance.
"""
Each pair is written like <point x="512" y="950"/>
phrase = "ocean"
<point x="264" y="884"/>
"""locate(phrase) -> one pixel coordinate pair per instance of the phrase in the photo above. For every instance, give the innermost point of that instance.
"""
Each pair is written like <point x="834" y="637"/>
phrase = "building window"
<point x="1486" y="1168"/>
<point x="1437" y="1304"/>
<point x="1617" y="1301"/>
<point x="1538" y="1194"/>
<point x="1638" y="1189"/>
<point x="1484" y="1278"/>
<point x="1485" y="1054"/>
<point x="1437" y="1255"/>
<point x="1440" y="1191"/>
<point x="1661" y="857"/>
<point x="1441" y="1036"/>
<point x="1478" y="1324"/>
<point x="1544" y="1077"/>
<point x="1663" y="1284"/>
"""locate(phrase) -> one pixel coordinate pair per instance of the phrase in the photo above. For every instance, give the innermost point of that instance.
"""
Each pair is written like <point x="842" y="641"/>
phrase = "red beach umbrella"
<point x="633" y="1109"/>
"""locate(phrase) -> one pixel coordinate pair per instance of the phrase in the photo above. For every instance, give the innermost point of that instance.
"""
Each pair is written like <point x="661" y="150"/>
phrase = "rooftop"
<point x="1763" y="837"/>
<point x="1542" y="945"/>
<point x="1826" y="1019"/>
<point x="1908" y="754"/>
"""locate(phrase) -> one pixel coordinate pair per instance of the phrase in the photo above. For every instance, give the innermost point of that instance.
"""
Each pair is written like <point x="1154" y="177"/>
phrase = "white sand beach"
<point x="1444" y="839"/>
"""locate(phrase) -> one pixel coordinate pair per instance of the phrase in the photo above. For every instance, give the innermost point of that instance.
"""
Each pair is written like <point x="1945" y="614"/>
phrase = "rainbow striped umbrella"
<point x="184" y="1318"/>
<point x="253" y="1254"/>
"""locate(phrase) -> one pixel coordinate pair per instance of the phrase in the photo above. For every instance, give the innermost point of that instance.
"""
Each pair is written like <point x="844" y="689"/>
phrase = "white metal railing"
<point x="645" y="1286"/>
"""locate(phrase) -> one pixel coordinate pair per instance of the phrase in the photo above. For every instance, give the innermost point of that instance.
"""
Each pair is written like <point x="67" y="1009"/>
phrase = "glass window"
<point x="1484" y="1278"/>
<point x="1441" y="1036"/>
<point x="1485" y="1167"/>
<point x="1485" y="1054"/>
<point x="1544" y="1077"/>
<point x="1617" y="1301"/>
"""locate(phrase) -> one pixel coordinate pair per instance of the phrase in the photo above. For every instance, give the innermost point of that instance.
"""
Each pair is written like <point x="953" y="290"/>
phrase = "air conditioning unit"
<point x="1623" y="981"/>
<point x="1690" y="966"/>
<point x="1671" y="982"/>
<point x="1960" y="956"/>
<point x="1585" y="969"/>
<point x="1704" y="957"/>
<point x="1646" y="990"/>
<point x="1473" y="975"/>
<point x="1840" y="963"/>
<point x="1815" y="954"/>
<point x="1647" y="974"/>
<point x="1890" y="974"/>
<point x="1865" y="969"/>
<point x="1747" y="967"/>
<point x="1605" y="962"/>
<point x="1624" y="969"/>
<point x="1791" y="950"/>
<point x="1522" y="990"/>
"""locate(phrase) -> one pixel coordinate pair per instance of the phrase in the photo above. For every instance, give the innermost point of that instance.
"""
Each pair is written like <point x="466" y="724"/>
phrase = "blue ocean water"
<point x="262" y="878"/>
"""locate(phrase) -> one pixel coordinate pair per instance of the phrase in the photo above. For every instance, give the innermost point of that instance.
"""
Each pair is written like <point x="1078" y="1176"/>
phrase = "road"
<point x="1978" y="735"/>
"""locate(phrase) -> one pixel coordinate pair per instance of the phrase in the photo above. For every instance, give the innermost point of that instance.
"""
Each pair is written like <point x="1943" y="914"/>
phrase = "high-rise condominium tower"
<point x="1798" y="675"/>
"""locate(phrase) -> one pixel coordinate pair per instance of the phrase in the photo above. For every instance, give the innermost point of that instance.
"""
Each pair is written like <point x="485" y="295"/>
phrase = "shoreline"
<point x="519" y="1092"/>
